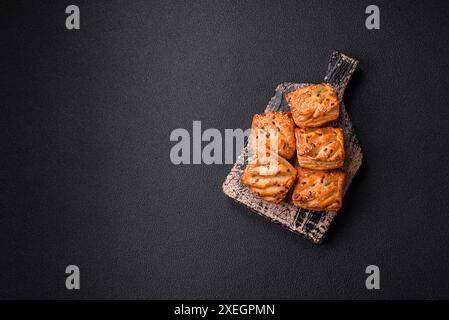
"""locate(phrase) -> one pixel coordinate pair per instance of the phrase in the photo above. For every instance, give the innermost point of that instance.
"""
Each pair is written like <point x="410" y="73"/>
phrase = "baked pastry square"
<point x="319" y="190"/>
<point x="273" y="131"/>
<point x="320" y="148"/>
<point x="313" y="105"/>
<point x="270" y="177"/>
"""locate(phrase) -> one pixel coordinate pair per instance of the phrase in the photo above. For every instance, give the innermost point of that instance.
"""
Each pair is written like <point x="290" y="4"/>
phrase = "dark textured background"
<point x="84" y="137"/>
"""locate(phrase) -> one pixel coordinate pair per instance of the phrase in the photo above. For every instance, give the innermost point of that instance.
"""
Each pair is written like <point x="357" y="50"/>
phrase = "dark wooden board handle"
<point x="339" y="71"/>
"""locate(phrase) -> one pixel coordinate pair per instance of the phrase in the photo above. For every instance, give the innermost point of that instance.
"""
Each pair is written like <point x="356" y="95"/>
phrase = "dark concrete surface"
<point x="86" y="177"/>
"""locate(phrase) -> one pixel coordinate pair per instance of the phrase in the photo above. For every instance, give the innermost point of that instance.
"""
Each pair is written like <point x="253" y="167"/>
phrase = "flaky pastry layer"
<point x="313" y="105"/>
<point x="269" y="177"/>
<point x="273" y="131"/>
<point x="319" y="190"/>
<point x="320" y="148"/>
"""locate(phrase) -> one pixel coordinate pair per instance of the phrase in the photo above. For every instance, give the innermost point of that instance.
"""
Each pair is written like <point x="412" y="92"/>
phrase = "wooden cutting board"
<point x="313" y="225"/>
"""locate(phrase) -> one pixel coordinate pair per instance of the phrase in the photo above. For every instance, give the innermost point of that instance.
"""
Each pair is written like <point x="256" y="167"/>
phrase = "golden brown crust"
<point x="320" y="148"/>
<point x="269" y="177"/>
<point x="319" y="190"/>
<point x="313" y="105"/>
<point x="274" y="130"/>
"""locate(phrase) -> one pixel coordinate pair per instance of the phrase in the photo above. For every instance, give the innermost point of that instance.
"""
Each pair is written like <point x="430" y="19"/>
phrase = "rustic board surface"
<point x="313" y="225"/>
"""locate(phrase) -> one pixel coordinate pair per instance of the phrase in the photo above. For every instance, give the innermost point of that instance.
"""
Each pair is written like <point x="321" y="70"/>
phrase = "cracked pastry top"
<point x="270" y="177"/>
<point x="273" y="131"/>
<point x="320" y="148"/>
<point x="313" y="105"/>
<point x="319" y="190"/>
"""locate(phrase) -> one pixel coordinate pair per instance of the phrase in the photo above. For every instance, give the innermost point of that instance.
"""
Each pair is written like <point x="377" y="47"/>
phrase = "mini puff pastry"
<point x="269" y="177"/>
<point x="313" y="105"/>
<point x="273" y="131"/>
<point x="319" y="190"/>
<point x="320" y="148"/>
